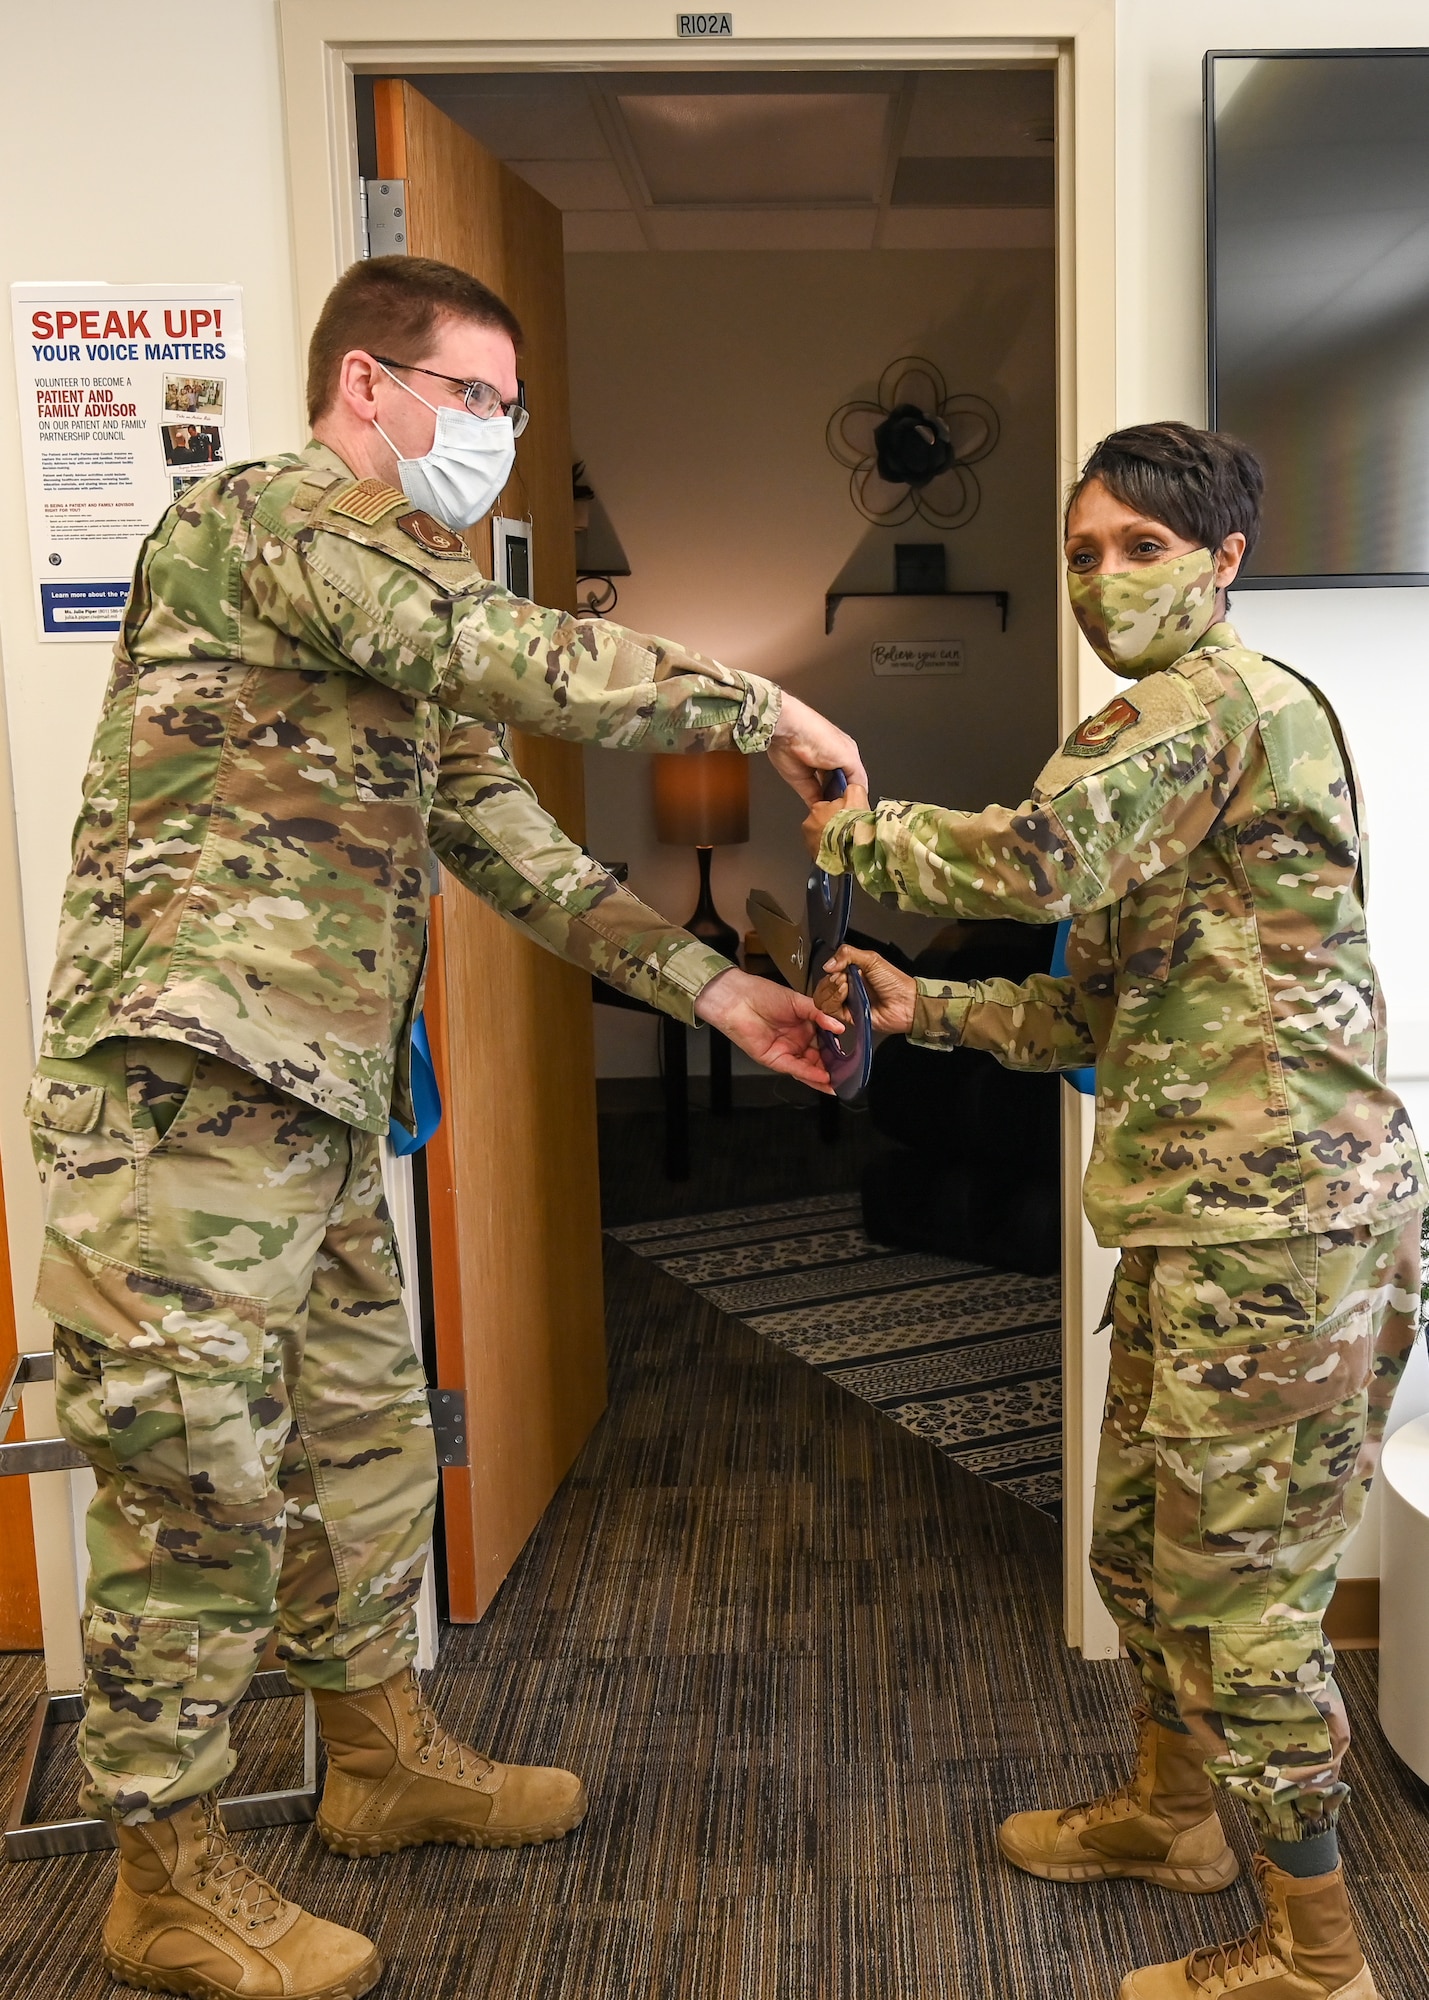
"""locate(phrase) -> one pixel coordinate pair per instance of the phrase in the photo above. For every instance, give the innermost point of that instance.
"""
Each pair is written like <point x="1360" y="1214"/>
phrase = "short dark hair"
<point x="392" y="305"/>
<point x="1203" y="484"/>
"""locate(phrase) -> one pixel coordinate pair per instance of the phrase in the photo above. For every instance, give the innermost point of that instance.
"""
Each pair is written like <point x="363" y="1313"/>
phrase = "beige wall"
<point x="701" y="387"/>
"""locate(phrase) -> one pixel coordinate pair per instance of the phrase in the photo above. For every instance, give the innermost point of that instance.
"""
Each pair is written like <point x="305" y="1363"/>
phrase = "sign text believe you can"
<point x="916" y="656"/>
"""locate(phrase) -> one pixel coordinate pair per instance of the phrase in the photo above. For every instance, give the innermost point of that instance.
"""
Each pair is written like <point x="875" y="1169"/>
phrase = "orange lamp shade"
<point x="701" y="798"/>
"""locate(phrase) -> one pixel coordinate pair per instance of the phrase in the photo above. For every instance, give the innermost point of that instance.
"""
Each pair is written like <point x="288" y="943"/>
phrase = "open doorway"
<point x="758" y="266"/>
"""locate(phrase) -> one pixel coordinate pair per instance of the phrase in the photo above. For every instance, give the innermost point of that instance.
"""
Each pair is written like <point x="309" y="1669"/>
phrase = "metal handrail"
<point x="33" y="1454"/>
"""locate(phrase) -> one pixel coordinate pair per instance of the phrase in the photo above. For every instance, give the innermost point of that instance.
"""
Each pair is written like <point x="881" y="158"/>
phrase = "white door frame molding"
<point x="326" y="43"/>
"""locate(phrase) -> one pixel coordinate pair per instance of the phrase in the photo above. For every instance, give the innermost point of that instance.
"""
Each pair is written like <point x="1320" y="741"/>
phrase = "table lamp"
<point x="702" y="801"/>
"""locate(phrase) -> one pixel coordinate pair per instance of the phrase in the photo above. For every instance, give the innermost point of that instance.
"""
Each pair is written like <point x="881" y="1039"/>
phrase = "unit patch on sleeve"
<point x="366" y="501"/>
<point x="432" y="535"/>
<point x="1100" y="731"/>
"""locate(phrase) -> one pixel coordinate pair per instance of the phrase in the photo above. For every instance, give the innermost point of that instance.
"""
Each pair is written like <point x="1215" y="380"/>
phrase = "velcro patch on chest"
<point x="432" y="535"/>
<point x="368" y="501"/>
<point x="1100" y="731"/>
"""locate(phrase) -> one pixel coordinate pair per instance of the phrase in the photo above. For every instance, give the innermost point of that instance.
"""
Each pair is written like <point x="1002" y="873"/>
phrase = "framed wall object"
<point x="511" y="554"/>
<point x="1317" y="246"/>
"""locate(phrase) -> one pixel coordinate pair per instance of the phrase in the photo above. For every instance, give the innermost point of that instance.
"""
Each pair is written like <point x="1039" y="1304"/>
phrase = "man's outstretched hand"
<point x="806" y="746"/>
<point x="774" y="1024"/>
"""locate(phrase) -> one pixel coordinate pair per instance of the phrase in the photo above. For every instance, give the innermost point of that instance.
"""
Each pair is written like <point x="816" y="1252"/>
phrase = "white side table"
<point x="1404" y="1595"/>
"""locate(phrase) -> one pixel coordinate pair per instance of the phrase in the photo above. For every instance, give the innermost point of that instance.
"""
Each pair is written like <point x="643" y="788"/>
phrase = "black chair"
<point x="977" y="1170"/>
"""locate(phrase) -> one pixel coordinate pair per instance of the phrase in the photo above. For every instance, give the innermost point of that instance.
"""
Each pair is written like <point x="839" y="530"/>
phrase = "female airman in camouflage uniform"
<point x="1203" y="833"/>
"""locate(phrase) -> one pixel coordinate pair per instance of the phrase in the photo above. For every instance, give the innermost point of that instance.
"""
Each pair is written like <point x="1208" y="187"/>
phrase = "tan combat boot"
<point x="396" y="1779"/>
<point x="1306" y="1949"/>
<point x="1160" y="1826"/>
<point x="189" y="1917"/>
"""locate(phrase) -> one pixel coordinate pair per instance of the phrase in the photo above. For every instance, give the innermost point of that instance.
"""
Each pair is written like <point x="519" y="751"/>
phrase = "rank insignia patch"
<point x="367" y="501"/>
<point x="1101" y="730"/>
<point x="433" y="536"/>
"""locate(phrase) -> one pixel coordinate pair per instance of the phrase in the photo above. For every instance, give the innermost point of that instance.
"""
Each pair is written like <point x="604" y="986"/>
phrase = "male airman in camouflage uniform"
<point x="310" y="695"/>
<point x="1202" y="833"/>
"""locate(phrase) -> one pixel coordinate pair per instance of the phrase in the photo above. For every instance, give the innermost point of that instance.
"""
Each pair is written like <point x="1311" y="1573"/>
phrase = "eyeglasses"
<point x="479" y="397"/>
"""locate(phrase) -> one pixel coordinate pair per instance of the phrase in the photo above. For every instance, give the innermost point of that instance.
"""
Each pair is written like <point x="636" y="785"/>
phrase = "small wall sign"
<point x="916" y="656"/>
<point x="698" y="26"/>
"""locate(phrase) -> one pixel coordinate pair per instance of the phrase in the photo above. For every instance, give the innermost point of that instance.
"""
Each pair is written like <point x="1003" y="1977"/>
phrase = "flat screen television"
<point x="1317" y="248"/>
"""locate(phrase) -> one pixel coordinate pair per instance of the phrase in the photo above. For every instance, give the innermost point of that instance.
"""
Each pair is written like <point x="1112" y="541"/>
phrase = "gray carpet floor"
<point x="806" y="1663"/>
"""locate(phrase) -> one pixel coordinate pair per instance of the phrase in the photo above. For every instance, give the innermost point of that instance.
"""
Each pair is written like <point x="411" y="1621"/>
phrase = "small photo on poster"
<point x="194" y="396"/>
<point x="182" y="481"/>
<point x="192" y="444"/>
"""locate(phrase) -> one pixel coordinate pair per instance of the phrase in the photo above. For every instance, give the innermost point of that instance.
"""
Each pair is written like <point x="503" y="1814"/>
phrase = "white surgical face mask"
<point x="462" y="476"/>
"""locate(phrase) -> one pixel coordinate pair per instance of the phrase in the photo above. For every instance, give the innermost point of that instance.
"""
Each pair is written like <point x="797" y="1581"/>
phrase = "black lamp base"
<point x="707" y="924"/>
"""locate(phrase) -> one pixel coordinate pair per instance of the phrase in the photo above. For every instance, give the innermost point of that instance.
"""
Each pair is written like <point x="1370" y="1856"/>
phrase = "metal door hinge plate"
<point x="385" y="203"/>
<point x="449" y="1425"/>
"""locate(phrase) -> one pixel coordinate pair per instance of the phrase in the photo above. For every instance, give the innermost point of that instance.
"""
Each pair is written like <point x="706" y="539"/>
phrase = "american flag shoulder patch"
<point x="367" y="501"/>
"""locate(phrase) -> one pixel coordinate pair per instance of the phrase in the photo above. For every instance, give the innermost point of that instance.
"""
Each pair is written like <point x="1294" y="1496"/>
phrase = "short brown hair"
<point x="392" y="305"/>
<point x="1203" y="484"/>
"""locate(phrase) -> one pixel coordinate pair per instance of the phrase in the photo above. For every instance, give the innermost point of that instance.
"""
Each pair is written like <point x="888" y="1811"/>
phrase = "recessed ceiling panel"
<point x="765" y="149"/>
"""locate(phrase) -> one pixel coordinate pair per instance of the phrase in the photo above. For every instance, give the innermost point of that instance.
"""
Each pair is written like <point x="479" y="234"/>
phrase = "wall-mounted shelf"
<point x="834" y="598"/>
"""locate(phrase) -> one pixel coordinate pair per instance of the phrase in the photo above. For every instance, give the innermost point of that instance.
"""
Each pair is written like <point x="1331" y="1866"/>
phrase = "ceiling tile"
<point x="521" y="117"/>
<point x="984" y="181"/>
<point x="602" y="229"/>
<point x="723" y="148"/>
<point x="762" y="228"/>
<point x="574" y="183"/>
<point x="971" y="111"/>
<point x="968" y="229"/>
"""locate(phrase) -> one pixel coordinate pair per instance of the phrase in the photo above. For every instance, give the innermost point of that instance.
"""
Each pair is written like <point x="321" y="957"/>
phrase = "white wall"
<point x="701" y="387"/>
<point x="115" y="178"/>
<point x="1369" y="649"/>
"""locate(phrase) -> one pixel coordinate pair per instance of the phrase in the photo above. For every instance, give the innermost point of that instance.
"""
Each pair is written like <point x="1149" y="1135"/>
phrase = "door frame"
<point x="326" y="44"/>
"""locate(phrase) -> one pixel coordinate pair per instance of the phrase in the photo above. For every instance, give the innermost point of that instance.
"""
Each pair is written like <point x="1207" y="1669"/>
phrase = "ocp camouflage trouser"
<point x="1249" y="1387"/>
<point x="232" y="1354"/>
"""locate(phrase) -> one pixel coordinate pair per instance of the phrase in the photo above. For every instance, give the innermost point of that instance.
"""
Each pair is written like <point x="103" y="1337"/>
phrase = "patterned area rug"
<point x="960" y="1354"/>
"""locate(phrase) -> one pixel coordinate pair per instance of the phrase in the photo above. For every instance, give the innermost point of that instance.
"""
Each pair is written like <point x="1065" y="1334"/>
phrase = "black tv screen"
<point x="1318" y="304"/>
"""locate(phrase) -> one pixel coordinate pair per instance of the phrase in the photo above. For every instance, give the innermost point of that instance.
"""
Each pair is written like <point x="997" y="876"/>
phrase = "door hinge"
<point x="385" y="209"/>
<point x="449" y="1425"/>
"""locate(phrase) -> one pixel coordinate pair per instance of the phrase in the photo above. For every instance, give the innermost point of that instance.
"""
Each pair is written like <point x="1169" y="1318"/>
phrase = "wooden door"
<point x="513" y="1187"/>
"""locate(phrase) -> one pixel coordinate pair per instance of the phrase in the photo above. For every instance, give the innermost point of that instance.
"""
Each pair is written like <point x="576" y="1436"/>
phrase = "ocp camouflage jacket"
<point x="1203" y="834"/>
<point x="307" y="698"/>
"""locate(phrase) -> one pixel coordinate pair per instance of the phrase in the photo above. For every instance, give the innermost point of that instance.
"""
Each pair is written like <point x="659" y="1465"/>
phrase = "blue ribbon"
<point x="1083" y="1080"/>
<point x="426" y="1097"/>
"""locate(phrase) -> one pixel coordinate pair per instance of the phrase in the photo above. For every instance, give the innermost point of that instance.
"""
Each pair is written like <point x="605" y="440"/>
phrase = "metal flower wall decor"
<point x="913" y="451"/>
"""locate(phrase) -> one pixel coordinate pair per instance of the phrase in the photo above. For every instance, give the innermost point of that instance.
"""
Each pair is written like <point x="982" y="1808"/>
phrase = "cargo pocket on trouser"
<point x="136" y="1670"/>
<point x="162" y="1379"/>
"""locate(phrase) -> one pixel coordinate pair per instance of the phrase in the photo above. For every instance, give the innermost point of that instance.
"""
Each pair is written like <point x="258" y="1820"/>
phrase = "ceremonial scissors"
<point x="801" y="950"/>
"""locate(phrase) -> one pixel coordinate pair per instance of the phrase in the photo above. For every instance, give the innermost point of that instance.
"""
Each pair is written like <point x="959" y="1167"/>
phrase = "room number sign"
<point x="699" y="26"/>
<point x="917" y="657"/>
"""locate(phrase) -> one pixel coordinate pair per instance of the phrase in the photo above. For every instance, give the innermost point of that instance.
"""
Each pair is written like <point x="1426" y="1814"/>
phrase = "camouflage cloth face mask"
<point x="1141" y="620"/>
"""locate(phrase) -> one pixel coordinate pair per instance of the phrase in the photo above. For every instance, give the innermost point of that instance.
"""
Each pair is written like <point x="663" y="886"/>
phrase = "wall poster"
<point x="129" y="395"/>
